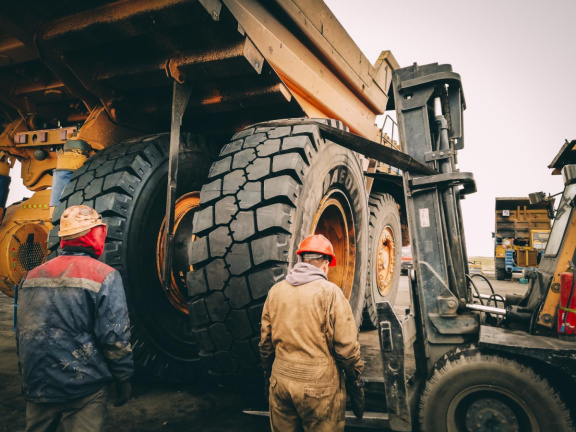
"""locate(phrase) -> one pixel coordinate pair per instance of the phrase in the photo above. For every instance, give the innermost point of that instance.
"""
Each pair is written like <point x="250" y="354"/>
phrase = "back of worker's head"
<point x="317" y="260"/>
<point x="81" y="227"/>
<point x="317" y="251"/>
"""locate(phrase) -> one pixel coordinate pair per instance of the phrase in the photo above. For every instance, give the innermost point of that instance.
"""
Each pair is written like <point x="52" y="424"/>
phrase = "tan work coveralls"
<point x="308" y="336"/>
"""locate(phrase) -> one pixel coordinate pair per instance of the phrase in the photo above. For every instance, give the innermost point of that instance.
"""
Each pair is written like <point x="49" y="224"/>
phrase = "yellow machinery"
<point x="25" y="225"/>
<point x="23" y="239"/>
<point x="520" y="236"/>
<point x="107" y="80"/>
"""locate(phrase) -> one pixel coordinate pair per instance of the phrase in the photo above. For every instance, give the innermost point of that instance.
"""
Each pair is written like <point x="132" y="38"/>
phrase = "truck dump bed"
<point x="516" y="217"/>
<point x="248" y="61"/>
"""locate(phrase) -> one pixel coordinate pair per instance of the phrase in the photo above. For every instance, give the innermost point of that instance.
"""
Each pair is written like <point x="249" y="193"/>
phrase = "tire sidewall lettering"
<point x="335" y="168"/>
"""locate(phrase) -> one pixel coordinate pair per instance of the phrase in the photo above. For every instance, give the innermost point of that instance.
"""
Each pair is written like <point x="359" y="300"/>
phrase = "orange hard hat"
<point x="317" y="243"/>
<point x="77" y="221"/>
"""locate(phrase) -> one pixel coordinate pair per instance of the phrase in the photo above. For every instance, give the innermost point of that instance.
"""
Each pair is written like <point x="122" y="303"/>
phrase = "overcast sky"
<point x="517" y="60"/>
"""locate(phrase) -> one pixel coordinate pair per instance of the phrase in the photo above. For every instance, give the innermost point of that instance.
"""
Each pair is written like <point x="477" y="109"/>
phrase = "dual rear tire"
<point x="271" y="187"/>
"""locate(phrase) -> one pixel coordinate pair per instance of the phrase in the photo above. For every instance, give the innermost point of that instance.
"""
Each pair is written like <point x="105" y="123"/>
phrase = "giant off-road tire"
<point x="477" y="392"/>
<point x="385" y="255"/>
<point x="126" y="184"/>
<point x="271" y="187"/>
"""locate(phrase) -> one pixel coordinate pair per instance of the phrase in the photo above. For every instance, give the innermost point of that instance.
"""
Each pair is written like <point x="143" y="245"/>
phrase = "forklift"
<point x="483" y="362"/>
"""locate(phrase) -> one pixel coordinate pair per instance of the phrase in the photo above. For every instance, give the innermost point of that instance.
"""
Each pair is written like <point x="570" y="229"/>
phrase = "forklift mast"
<point x="429" y="103"/>
<point x="508" y="348"/>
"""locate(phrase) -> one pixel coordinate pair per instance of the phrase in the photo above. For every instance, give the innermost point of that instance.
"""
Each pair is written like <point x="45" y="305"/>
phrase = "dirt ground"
<point x="161" y="407"/>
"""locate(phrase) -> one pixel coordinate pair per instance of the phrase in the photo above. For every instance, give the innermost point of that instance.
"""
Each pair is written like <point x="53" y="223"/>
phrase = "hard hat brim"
<point x="79" y="229"/>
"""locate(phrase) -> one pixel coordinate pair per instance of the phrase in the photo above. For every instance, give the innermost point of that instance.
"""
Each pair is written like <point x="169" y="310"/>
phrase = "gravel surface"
<point x="207" y="406"/>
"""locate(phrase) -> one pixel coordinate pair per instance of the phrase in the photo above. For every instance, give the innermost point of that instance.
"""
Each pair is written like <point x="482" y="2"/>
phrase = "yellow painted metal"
<point x="7" y="138"/>
<point x="334" y="220"/>
<point x="4" y="168"/>
<point x="517" y="230"/>
<point x="539" y="239"/>
<point x="37" y="175"/>
<point x="385" y="261"/>
<point x="325" y="33"/>
<point x="21" y="144"/>
<point x="550" y="306"/>
<point x="46" y="137"/>
<point x="23" y="239"/>
<point x="339" y="83"/>
<point x="184" y="205"/>
<point x="70" y="159"/>
<point x="100" y="131"/>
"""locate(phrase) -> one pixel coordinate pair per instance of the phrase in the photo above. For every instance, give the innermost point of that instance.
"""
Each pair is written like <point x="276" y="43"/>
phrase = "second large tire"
<point x="271" y="187"/>
<point x="385" y="255"/>
<point x="126" y="183"/>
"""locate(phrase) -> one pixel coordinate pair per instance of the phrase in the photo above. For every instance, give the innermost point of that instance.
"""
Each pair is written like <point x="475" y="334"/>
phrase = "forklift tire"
<point x="487" y="392"/>
<point x="384" y="255"/>
<point x="272" y="186"/>
<point x="126" y="183"/>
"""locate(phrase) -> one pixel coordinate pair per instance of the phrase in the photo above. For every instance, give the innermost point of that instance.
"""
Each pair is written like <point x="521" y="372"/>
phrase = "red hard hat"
<point x="317" y="243"/>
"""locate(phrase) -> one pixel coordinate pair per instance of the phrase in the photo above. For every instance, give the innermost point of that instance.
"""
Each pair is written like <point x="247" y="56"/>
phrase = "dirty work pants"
<point x="86" y="414"/>
<point x="306" y="398"/>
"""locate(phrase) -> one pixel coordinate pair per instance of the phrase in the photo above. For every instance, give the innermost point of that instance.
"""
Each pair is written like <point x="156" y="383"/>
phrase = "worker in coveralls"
<point x="73" y="331"/>
<point x="308" y="342"/>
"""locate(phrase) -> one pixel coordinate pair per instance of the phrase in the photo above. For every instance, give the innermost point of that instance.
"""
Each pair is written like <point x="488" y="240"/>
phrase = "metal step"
<point x="370" y="419"/>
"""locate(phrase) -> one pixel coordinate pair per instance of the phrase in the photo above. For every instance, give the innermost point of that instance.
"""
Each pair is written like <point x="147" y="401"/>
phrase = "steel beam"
<point x="180" y="97"/>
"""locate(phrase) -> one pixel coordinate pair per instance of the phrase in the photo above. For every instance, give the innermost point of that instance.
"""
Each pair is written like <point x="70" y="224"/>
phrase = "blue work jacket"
<point x="73" y="330"/>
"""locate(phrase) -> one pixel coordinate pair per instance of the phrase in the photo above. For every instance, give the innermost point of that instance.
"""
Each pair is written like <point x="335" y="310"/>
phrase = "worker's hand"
<point x="355" y="389"/>
<point x="123" y="392"/>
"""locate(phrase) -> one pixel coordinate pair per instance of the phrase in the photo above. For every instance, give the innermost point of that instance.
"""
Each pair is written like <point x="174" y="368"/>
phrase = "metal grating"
<point x="30" y="254"/>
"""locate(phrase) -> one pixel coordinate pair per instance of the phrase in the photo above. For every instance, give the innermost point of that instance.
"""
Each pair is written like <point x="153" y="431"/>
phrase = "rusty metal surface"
<point x="557" y="353"/>
<point x="63" y="62"/>
<point x="252" y="61"/>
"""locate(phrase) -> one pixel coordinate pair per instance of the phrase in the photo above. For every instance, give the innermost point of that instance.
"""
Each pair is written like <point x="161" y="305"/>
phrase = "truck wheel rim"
<point x="184" y="210"/>
<point x="335" y="221"/>
<point x="489" y="408"/>
<point x="385" y="261"/>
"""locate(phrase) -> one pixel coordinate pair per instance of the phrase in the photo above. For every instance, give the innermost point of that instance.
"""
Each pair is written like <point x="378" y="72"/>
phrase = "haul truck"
<point x="143" y="110"/>
<point x="521" y="233"/>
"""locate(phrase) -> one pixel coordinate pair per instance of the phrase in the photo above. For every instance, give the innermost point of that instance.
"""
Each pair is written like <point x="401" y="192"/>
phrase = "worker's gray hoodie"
<point x="302" y="273"/>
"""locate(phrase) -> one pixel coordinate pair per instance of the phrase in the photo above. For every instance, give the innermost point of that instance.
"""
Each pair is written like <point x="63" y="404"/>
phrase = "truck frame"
<point x="125" y="106"/>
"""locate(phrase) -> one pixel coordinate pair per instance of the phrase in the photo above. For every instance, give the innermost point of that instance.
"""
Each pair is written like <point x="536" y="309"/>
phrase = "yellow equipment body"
<point x="23" y="239"/>
<point x="522" y="228"/>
